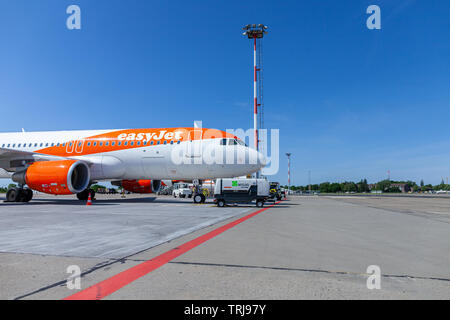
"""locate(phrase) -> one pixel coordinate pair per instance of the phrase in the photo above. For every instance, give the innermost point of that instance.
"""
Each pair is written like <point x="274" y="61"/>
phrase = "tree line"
<point x="362" y="186"/>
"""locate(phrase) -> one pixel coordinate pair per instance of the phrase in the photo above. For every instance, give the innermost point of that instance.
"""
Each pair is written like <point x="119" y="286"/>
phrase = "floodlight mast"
<point x="253" y="31"/>
<point x="289" y="171"/>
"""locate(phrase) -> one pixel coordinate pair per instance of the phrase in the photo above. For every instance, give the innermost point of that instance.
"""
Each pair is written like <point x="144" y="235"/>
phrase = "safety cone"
<point x="89" y="202"/>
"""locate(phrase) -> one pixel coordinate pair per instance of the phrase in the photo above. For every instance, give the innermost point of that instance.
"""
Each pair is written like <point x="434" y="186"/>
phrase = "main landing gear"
<point x="19" y="195"/>
<point x="84" y="195"/>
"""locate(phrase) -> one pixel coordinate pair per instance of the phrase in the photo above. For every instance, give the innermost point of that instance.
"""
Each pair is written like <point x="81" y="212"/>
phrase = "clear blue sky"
<point x="350" y="102"/>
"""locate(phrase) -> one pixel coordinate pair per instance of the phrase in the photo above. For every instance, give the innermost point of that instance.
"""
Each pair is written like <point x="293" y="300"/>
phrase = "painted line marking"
<point x="106" y="287"/>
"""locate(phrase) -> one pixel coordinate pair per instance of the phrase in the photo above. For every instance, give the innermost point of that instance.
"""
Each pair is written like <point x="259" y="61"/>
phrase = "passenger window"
<point x="95" y="144"/>
<point x="58" y="144"/>
<point x="145" y="142"/>
<point x="52" y="144"/>
<point x="131" y="143"/>
<point x="64" y="144"/>
<point x="151" y="143"/>
<point x="100" y="144"/>
<point x="178" y="142"/>
<point x="89" y="144"/>
<point x="3" y="145"/>
<point x="106" y="144"/>
<point x="14" y="145"/>
<point x="171" y="142"/>
<point x="165" y="142"/>
<point x="119" y="143"/>
<point x="125" y="143"/>
<point x="159" y="142"/>
<point x="138" y="143"/>
<point x="8" y="145"/>
<point x="18" y="146"/>
<point x="112" y="144"/>
<point x="223" y="142"/>
<point x="46" y="144"/>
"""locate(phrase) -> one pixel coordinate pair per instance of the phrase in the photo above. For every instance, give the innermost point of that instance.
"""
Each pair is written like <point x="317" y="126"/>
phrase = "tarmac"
<point x="307" y="247"/>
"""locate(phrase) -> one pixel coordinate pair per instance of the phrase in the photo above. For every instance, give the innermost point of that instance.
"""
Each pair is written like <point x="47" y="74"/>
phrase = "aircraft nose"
<point x="257" y="158"/>
<point x="262" y="161"/>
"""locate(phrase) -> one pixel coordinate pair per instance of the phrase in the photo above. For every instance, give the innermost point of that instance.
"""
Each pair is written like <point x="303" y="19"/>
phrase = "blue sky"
<point x="350" y="102"/>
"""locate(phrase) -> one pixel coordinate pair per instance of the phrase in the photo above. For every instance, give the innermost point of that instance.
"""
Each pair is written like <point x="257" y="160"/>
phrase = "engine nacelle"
<point x="141" y="186"/>
<point x="55" y="177"/>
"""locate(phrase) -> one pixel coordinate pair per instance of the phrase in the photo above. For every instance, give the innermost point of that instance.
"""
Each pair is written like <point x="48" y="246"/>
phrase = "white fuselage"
<point x="132" y="155"/>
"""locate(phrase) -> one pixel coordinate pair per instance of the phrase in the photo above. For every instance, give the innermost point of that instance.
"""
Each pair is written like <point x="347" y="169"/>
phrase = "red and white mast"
<point x="253" y="31"/>
<point x="289" y="170"/>
<point x="255" y="96"/>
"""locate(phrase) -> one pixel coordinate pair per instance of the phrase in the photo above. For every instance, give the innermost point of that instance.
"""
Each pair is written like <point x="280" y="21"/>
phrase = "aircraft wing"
<point x="8" y="153"/>
<point x="14" y="160"/>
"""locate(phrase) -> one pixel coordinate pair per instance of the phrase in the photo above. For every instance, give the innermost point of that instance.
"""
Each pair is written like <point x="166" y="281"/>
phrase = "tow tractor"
<point x="275" y="191"/>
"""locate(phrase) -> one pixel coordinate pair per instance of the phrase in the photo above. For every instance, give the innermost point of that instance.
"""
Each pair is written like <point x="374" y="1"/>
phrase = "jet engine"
<point x="141" y="186"/>
<point x="55" y="177"/>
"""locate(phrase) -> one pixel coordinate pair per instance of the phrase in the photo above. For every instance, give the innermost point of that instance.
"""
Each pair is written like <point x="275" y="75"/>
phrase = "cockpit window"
<point x="232" y="142"/>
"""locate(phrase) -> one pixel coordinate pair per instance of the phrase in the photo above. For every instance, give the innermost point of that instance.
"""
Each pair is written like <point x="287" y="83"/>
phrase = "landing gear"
<point x="19" y="195"/>
<point x="84" y="195"/>
<point x="27" y="195"/>
<point x="198" y="196"/>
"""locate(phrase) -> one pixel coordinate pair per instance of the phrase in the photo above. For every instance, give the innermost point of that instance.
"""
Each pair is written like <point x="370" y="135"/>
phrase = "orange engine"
<point x="141" y="186"/>
<point x="55" y="177"/>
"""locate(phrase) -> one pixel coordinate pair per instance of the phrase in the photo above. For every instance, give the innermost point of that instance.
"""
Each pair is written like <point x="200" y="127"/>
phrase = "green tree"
<point x="324" y="187"/>
<point x="95" y="187"/>
<point x="383" y="185"/>
<point x="12" y="185"/>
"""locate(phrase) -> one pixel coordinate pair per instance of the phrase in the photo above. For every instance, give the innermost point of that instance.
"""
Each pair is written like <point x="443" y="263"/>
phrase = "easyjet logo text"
<point x="163" y="134"/>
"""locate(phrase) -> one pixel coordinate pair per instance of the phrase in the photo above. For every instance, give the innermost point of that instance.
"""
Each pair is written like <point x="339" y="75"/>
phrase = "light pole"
<point x="289" y="171"/>
<point x="253" y="31"/>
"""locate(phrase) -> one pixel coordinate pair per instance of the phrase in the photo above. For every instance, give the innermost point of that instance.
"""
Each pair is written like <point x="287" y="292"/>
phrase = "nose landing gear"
<point x="198" y="196"/>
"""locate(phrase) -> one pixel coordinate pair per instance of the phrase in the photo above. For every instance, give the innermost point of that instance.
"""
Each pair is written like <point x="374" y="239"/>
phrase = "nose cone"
<point x="256" y="159"/>
<point x="262" y="161"/>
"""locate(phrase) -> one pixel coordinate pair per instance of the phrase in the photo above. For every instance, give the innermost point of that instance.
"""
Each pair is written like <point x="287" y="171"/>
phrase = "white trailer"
<point x="241" y="191"/>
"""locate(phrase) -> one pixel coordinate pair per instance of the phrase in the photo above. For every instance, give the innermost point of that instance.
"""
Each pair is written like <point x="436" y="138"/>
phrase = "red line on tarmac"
<point x="106" y="287"/>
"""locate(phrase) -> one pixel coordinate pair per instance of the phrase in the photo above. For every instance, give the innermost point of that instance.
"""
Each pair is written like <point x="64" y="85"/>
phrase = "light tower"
<point x="289" y="171"/>
<point x="253" y="31"/>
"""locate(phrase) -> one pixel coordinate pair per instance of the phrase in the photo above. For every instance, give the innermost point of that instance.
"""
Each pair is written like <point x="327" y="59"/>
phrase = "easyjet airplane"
<point x="68" y="162"/>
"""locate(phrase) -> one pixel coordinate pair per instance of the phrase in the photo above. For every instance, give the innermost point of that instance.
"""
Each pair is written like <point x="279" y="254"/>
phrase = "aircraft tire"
<point x="13" y="195"/>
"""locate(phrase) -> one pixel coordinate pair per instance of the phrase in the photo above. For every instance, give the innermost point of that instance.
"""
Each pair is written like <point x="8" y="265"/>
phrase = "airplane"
<point x="69" y="162"/>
